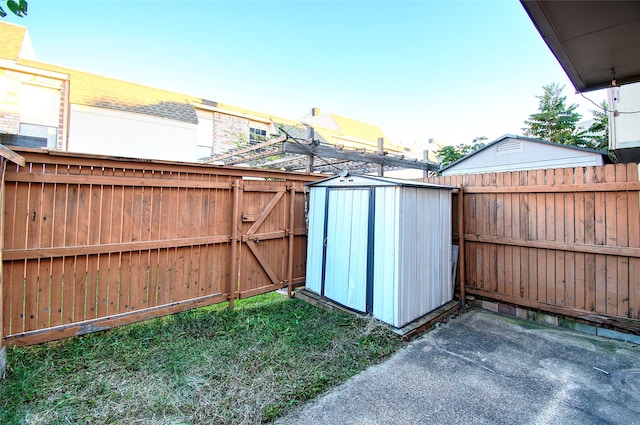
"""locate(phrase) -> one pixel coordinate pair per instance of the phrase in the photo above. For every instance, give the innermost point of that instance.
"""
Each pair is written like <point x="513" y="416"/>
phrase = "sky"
<point x="445" y="70"/>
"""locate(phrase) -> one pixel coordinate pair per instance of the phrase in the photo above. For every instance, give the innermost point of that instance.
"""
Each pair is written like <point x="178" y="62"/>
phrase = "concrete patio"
<point x="485" y="368"/>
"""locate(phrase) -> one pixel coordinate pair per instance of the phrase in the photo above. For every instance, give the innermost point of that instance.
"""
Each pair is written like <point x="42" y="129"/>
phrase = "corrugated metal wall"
<point x="408" y="273"/>
<point x="346" y="257"/>
<point x="424" y="275"/>
<point x="386" y="256"/>
<point x="317" y="205"/>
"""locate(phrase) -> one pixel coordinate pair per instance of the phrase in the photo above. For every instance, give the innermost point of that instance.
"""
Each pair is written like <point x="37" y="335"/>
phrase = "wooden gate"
<point x="270" y="223"/>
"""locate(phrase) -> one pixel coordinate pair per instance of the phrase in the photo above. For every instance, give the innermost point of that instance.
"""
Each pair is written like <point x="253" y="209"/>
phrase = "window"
<point x="257" y="135"/>
<point x="43" y="131"/>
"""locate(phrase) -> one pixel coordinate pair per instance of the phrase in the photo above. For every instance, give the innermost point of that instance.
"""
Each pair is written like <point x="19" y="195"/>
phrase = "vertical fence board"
<point x="633" y="206"/>
<point x="569" y="204"/>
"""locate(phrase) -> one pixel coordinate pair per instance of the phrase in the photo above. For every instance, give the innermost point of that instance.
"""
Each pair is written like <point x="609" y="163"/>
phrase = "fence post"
<point x="5" y="155"/>
<point x="380" y="152"/>
<point x="292" y="235"/>
<point x="235" y="270"/>
<point x="3" y="351"/>
<point x="461" y="243"/>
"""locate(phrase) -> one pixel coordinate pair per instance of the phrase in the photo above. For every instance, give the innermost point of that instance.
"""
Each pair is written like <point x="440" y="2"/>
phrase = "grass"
<point x="203" y="366"/>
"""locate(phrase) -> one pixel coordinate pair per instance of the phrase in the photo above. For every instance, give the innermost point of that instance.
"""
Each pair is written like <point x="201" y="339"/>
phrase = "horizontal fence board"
<point x="558" y="246"/>
<point x="97" y="180"/>
<point x="67" y="251"/>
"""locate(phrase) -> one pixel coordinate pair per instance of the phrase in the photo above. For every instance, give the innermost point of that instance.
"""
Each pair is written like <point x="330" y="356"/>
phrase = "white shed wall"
<point x="530" y="156"/>
<point x="411" y="262"/>
<point x="346" y="258"/>
<point x="315" y="238"/>
<point x="386" y="256"/>
<point x="424" y="275"/>
<point x="117" y="133"/>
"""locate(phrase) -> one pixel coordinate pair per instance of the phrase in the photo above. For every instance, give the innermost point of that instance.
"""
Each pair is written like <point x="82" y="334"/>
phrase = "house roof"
<point x="528" y="139"/>
<point x="594" y="41"/>
<point x="336" y="129"/>
<point x="99" y="91"/>
<point x="12" y="38"/>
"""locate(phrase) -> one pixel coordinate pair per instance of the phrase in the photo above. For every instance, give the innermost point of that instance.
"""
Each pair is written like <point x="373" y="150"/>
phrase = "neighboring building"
<point x="516" y="153"/>
<point x="76" y="111"/>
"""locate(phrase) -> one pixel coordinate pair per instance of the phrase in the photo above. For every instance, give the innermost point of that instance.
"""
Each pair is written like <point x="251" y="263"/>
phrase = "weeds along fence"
<point x="565" y="241"/>
<point x="95" y="242"/>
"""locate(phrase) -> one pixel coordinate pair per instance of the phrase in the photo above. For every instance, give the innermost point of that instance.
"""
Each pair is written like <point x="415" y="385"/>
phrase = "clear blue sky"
<point x="450" y="70"/>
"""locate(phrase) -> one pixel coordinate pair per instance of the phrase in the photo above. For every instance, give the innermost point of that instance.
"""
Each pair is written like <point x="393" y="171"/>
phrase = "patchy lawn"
<point x="204" y="366"/>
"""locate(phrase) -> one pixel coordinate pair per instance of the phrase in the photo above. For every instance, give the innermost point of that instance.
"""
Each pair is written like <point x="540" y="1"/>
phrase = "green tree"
<point x="18" y="8"/>
<point x="598" y="133"/>
<point x="450" y="154"/>
<point x="556" y="121"/>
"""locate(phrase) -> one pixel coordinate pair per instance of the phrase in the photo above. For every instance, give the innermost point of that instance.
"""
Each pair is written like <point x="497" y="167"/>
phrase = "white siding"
<point x="315" y="239"/>
<point x="625" y="128"/>
<point x="346" y="257"/>
<point x="109" y="132"/>
<point x="386" y="256"/>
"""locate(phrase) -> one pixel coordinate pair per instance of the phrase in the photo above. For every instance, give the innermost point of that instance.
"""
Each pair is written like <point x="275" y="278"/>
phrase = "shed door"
<point x="347" y="227"/>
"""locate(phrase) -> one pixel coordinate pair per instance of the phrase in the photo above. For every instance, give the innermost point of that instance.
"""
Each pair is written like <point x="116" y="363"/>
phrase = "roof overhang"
<point x="594" y="41"/>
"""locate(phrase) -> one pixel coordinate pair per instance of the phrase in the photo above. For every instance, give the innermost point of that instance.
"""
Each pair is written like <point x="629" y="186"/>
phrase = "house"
<point x="515" y="153"/>
<point x="45" y="105"/>
<point x="595" y="42"/>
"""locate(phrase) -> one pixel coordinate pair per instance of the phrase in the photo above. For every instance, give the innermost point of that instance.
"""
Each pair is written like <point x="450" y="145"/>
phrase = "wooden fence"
<point x="566" y="241"/>
<point x="93" y="242"/>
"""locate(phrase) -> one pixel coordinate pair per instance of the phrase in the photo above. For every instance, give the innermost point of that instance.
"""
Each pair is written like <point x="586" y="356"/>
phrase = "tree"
<point x="18" y="8"/>
<point x="555" y="121"/>
<point x="450" y="154"/>
<point x="598" y="133"/>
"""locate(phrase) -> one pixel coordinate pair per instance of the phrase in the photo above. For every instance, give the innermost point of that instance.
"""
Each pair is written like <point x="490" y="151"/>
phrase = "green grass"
<point x="208" y="365"/>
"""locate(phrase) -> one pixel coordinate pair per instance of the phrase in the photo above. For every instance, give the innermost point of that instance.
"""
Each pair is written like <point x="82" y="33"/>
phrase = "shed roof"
<point x="529" y="139"/>
<point x="364" y="180"/>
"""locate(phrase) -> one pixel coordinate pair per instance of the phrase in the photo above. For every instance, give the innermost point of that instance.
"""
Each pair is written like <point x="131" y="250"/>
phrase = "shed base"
<point x="408" y="331"/>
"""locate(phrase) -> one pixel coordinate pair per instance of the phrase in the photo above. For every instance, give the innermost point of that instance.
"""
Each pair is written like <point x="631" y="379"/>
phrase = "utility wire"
<point x="605" y="109"/>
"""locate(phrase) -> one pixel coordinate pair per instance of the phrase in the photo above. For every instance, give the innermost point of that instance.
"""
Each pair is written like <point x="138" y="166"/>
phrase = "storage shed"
<point x="380" y="246"/>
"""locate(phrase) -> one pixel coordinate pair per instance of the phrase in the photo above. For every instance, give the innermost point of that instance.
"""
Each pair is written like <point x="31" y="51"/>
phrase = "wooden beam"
<point x="331" y="152"/>
<point x="111" y="248"/>
<point x="10" y="155"/>
<point x="621" y="251"/>
<point x="74" y="159"/>
<point x="95" y="325"/>
<point x="52" y="178"/>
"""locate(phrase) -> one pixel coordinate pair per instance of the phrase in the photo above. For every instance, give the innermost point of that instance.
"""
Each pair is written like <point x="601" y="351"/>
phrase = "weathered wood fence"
<point x="565" y="241"/>
<point x="93" y="242"/>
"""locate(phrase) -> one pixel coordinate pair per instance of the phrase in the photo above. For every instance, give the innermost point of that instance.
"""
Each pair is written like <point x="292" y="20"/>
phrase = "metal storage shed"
<point x="380" y="246"/>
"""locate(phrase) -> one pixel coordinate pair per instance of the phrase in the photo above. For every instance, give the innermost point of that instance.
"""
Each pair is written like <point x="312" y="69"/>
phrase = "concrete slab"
<point x="485" y="368"/>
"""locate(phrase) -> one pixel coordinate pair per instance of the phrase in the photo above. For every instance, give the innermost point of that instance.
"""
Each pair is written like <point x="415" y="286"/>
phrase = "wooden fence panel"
<point x="564" y="241"/>
<point x="93" y="242"/>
